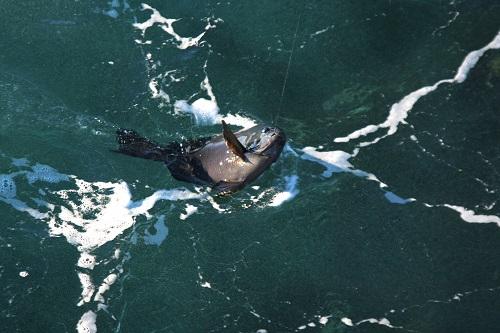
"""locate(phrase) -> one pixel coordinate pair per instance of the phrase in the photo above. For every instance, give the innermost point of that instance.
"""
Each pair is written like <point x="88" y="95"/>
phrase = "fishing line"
<point x="288" y="69"/>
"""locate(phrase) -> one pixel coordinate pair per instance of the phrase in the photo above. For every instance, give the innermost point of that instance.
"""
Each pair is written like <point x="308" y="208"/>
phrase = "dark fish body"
<point x="225" y="162"/>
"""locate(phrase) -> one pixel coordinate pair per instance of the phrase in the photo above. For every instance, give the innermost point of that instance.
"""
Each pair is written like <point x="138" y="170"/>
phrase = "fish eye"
<point x="266" y="129"/>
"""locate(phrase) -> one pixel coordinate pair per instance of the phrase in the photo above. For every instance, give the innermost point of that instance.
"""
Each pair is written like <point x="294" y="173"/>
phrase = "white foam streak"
<point x="468" y="215"/>
<point x="158" y="92"/>
<point x="167" y="26"/>
<point x="397" y="115"/>
<point x="400" y="110"/>
<point x="205" y="85"/>
<point x="215" y="205"/>
<point x="143" y="206"/>
<point x="155" y="17"/>
<point x="358" y="133"/>
<point x="347" y="321"/>
<point x="319" y="32"/>
<point x="472" y="58"/>
<point x="206" y="285"/>
<point x="471" y="217"/>
<point x="381" y="321"/>
<point x="334" y="161"/>
<point x="106" y="284"/>
<point x="88" y="288"/>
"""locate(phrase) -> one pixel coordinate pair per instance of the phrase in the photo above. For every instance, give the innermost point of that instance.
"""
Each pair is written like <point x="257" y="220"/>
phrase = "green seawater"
<point x="400" y="235"/>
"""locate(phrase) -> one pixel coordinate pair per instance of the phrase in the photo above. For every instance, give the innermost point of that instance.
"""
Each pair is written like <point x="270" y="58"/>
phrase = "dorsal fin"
<point x="232" y="142"/>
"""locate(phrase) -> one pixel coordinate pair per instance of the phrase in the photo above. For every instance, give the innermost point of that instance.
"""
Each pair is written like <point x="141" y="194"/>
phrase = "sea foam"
<point x="400" y="110"/>
<point x="166" y="24"/>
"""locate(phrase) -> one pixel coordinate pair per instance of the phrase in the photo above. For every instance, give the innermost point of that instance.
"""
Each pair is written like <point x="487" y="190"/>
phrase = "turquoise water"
<point x="381" y="215"/>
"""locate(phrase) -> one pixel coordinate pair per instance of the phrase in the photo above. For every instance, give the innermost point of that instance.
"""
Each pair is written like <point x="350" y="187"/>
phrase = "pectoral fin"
<point x="233" y="143"/>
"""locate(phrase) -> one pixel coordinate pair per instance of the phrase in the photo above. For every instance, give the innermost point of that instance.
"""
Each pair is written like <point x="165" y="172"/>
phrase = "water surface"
<point x="381" y="215"/>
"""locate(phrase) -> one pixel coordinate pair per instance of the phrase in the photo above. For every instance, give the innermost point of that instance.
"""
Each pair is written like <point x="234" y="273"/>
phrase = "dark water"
<point x="380" y="232"/>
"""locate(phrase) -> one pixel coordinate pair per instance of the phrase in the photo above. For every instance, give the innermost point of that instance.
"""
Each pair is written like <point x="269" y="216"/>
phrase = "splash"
<point x="290" y="192"/>
<point x="205" y="111"/>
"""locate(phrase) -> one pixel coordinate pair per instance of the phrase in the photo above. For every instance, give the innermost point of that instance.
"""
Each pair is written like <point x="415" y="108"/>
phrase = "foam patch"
<point x="160" y="235"/>
<point x="7" y="187"/>
<point x="87" y="324"/>
<point x="45" y="173"/>
<point x="290" y="192"/>
<point x="86" y="260"/>
<point x="333" y="161"/>
<point x="190" y="210"/>
<point x="204" y="111"/>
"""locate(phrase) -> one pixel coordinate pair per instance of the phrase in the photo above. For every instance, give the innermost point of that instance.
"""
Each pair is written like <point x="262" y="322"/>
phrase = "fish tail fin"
<point x="131" y="143"/>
